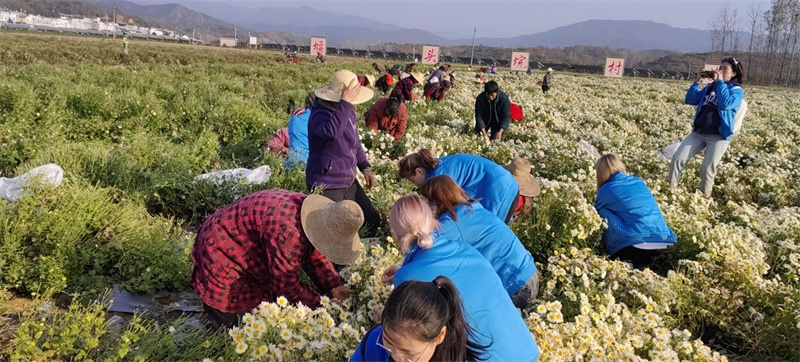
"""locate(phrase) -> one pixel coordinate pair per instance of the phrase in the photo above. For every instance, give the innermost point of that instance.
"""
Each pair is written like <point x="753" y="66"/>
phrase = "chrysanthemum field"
<point x="132" y="133"/>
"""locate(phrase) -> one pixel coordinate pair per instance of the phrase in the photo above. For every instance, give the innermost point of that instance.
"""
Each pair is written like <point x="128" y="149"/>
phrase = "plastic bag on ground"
<point x="251" y="177"/>
<point x="589" y="148"/>
<point x="12" y="189"/>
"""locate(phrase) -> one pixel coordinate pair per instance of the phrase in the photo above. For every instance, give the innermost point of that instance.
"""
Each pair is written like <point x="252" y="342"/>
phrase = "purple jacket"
<point x="334" y="147"/>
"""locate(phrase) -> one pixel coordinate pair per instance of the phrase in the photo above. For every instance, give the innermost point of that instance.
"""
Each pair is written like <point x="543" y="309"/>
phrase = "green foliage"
<point x="87" y="238"/>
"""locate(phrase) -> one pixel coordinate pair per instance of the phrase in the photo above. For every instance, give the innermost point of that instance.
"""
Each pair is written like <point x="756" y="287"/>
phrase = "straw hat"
<point x="418" y="77"/>
<point x="339" y="81"/>
<point x="332" y="227"/>
<point x="549" y="70"/>
<point x="520" y="168"/>
<point x="370" y="79"/>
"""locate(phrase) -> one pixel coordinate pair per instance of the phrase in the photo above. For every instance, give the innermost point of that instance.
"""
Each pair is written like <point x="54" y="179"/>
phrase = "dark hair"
<point x="491" y="87"/>
<point x="736" y="66"/>
<point x="393" y="107"/>
<point x="409" y="67"/>
<point x="311" y="98"/>
<point x="422" y="309"/>
<point x="410" y="164"/>
<point x="444" y="194"/>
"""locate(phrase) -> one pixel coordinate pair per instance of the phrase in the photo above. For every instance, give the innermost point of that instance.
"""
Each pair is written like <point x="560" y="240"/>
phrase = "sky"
<point x="456" y="19"/>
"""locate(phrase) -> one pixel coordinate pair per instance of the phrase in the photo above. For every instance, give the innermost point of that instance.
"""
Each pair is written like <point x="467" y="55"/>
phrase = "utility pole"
<point x="192" y="36"/>
<point x="473" y="46"/>
<point x="115" y="23"/>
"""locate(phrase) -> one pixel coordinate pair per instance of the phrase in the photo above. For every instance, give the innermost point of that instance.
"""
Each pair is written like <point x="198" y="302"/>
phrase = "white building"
<point x="8" y="15"/>
<point x="227" y="41"/>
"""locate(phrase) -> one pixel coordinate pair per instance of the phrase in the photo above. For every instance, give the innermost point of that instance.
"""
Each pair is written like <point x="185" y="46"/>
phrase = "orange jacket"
<point x="377" y="119"/>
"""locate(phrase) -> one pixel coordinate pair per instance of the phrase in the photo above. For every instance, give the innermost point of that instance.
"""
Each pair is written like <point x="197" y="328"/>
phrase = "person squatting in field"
<point x="529" y="188"/>
<point x="637" y="232"/>
<point x="488" y="308"/>
<point x="483" y="180"/>
<point x="714" y="123"/>
<point x="492" y="111"/>
<point x="388" y="115"/>
<point x="335" y="149"/>
<point x="292" y="142"/>
<point x="404" y="90"/>
<point x="421" y="321"/>
<point x="256" y="249"/>
<point x="464" y="219"/>
<point x="438" y="84"/>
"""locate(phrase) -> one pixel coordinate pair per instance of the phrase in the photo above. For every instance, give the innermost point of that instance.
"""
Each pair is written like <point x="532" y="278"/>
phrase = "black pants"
<point x="372" y="218"/>
<point x="220" y="319"/>
<point x="640" y="258"/>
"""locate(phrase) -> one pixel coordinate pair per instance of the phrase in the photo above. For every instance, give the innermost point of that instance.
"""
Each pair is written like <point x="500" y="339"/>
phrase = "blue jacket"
<point x="487" y="306"/>
<point x="334" y="147"/>
<point x="368" y="351"/>
<point x="632" y="214"/>
<point x="729" y="97"/>
<point x="492" y="185"/>
<point x="298" y="141"/>
<point x="494" y="240"/>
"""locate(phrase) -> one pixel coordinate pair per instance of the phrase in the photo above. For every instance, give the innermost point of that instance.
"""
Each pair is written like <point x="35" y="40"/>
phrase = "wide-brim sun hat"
<point x="332" y="227"/>
<point x="520" y="168"/>
<point x="340" y="80"/>
<point x="549" y="69"/>
<point x="370" y="79"/>
<point x="418" y="77"/>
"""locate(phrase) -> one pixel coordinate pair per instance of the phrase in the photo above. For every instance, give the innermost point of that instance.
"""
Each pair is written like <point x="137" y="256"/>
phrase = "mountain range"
<point x="294" y="25"/>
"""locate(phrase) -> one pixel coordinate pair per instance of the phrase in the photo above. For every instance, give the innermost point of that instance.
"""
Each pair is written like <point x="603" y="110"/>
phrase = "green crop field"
<point x="131" y="133"/>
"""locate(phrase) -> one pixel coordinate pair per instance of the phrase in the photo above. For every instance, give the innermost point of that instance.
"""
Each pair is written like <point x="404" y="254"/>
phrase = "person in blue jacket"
<point x="298" y="135"/>
<point x="497" y="324"/>
<point x="717" y="104"/>
<point x="462" y="218"/>
<point x="637" y="231"/>
<point x="489" y="183"/>
<point x="421" y="321"/>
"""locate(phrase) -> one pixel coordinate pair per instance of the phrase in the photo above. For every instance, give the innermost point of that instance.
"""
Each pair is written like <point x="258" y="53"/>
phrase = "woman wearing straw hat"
<point x="256" y="249"/>
<point x="335" y="149"/>
<point x="529" y="188"/>
<point x="482" y="179"/>
<point x="366" y="80"/>
<point x="463" y="218"/>
<point x="404" y="90"/>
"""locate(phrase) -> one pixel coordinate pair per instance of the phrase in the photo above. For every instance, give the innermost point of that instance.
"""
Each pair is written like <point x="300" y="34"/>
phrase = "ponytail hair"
<point x="411" y="219"/>
<point x="422" y="159"/>
<point x="420" y="310"/>
<point x="444" y="195"/>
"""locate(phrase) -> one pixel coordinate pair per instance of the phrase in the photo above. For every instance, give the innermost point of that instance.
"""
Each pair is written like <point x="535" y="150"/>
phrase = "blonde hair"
<point x="607" y="166"/>
<point x="412" y="221"/>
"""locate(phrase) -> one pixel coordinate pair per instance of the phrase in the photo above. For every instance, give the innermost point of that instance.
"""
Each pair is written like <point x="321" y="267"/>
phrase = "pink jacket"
<point x="279" y="143"/>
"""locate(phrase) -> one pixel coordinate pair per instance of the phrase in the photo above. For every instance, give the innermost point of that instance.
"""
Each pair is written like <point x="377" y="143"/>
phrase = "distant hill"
<point x="186" y="19"/>
<point x="170" y="13"/>
<point x="627" y="34"/>
<point x="342" y="30"/>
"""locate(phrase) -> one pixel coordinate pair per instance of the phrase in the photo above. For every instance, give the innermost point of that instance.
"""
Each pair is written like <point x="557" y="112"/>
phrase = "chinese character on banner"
<point x="318" y="46"/>
<point x="430" y="54"/>
<point x="615" y="67"/>
<point x="519" y="61"/>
